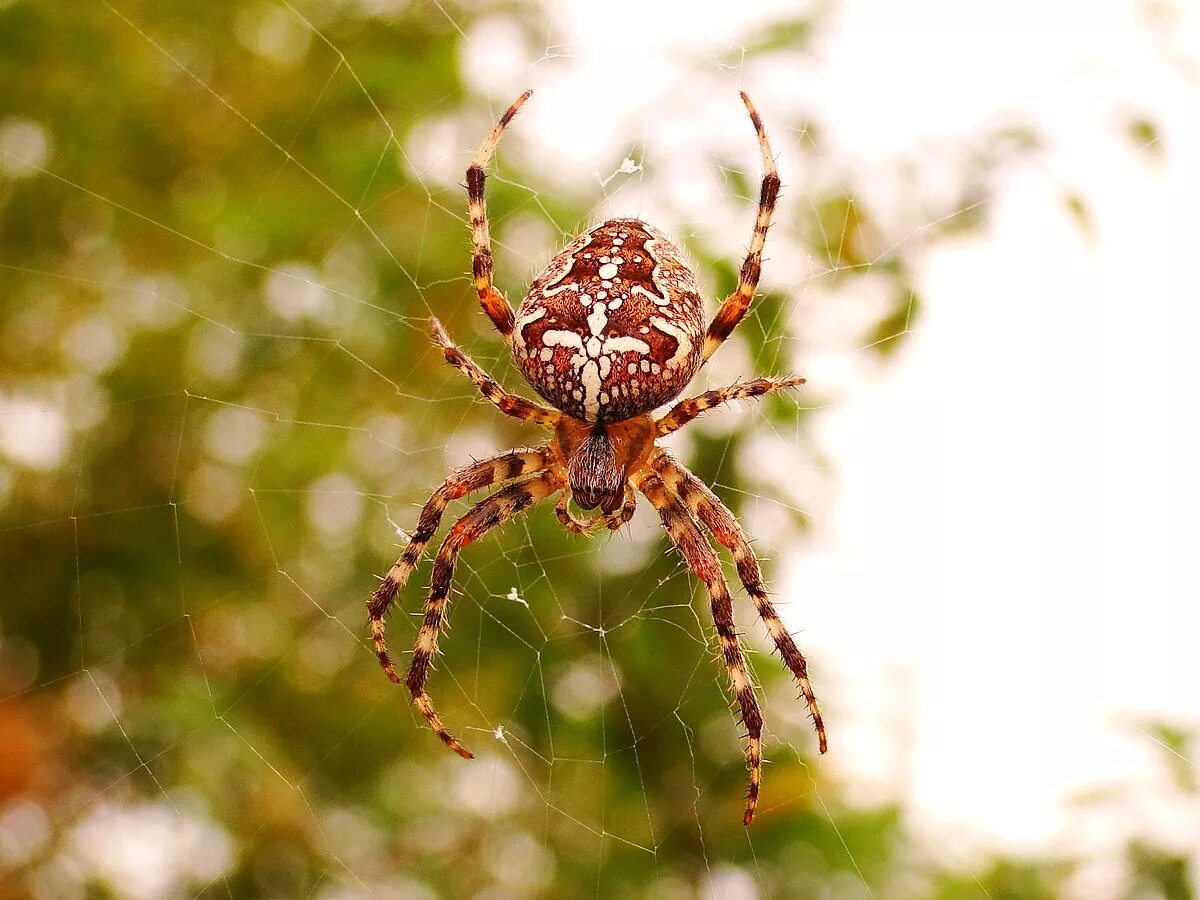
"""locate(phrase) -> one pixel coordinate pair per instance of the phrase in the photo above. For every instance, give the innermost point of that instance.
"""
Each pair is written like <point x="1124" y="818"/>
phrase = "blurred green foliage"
<point x="224" y="377"/>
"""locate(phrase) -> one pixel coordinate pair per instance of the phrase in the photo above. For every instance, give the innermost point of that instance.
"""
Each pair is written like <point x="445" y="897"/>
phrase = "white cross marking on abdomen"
<point x="588" y="360"/>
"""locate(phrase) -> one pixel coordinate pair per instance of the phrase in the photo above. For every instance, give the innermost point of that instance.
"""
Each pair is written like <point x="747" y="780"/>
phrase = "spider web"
<point x="287" y="417"/>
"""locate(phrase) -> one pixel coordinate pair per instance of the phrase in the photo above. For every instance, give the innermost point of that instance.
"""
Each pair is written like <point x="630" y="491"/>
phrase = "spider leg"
<point x="685" y="410"/>
<point x="493" y="302"/>
<point x="467" y="479"/>
<point x="736" y="304"/>
<point x="484" y="516"/>
<point x="702" y="559"/>
<point x="509" y="404"/>
<point x="718" y="519"/>
<point x="612" y="521"/>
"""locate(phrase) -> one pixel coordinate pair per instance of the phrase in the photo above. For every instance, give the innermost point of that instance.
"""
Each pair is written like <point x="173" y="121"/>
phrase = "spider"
<point x="610" y="331"/>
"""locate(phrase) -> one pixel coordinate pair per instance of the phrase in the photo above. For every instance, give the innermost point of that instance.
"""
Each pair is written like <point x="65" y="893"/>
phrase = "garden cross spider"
<point x="611" y="330"/>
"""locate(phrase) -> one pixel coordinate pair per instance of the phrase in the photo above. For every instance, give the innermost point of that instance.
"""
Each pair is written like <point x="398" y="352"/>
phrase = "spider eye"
<point x="595" y="478"/>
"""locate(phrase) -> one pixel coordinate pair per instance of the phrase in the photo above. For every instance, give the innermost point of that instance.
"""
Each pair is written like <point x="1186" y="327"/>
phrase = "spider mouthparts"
<point x="610" y="503"/>
<point x="595" y="477"/>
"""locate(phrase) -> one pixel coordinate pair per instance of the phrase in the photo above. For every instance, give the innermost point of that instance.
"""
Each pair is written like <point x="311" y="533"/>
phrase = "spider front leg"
<point x="510" y="404"/>
<point x="484" y="516"/>
<point x="736" y="304"/>
<point x="467" y="479"/>
<point x="722" y="524"/>
<point x="687" y="410"/>
<point x="702" y="560"/>
<point x="493" y="302"/>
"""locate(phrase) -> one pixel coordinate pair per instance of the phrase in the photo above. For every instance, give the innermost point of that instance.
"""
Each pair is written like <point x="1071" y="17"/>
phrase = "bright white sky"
<point x="1008" y="564"/>
<point x="1015" y="525"/>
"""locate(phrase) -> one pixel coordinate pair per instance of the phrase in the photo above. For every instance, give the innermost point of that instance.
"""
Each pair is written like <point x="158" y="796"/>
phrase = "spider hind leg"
<point x="494" y="305"/>
<point x="736" y="304"/>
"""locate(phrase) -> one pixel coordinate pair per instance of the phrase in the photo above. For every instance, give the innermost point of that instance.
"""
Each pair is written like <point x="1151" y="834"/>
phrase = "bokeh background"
<point x="223" y="230"/>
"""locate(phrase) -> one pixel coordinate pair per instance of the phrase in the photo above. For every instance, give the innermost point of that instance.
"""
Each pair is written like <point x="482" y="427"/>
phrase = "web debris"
<point x="627" y="167"/>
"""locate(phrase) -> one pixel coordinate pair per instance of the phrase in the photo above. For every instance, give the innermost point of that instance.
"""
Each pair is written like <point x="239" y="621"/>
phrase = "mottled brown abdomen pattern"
<point x="614" y="326"/>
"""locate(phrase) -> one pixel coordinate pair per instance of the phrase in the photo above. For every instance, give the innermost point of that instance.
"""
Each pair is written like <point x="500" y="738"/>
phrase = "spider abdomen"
<point x="614" y="326"/>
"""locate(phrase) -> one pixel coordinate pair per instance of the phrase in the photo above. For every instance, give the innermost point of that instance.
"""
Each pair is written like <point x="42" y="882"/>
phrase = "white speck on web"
<point x="516" y="597"/>
<point x="627" y="167"/>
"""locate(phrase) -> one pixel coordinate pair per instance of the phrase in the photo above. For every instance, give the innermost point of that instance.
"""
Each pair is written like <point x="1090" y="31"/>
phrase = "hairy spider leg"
<point x="493" y="302"/>
<point x="484" y="516"/>
<point x="736" y="304"/>
<point x="721" y="523"/>
<point x="462" y="482"/>
<point x="685" y="411"/>
<point x="702" y="560"/>
<point x="510" y="404"/>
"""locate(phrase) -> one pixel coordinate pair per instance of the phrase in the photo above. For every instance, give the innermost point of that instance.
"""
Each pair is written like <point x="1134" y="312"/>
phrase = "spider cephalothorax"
<point x="600" y="459"/>
<point x="611" y="330"/>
